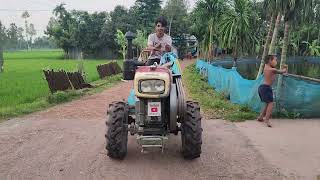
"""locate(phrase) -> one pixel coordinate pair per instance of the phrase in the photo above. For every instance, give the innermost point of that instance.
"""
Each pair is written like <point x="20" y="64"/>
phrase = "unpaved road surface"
<point x="67" y="142"/>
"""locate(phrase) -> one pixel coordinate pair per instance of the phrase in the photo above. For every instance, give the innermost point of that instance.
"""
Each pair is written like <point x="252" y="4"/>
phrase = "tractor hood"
<point x="153" y="76"/>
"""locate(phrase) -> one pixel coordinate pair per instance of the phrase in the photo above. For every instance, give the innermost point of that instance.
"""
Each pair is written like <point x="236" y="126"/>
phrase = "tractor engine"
<point x="152" y="88"/>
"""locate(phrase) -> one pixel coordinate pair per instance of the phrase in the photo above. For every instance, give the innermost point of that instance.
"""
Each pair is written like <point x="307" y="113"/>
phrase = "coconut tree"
<point x="275" y="34"/>
<point x="266" y="44"/>
<point x="235" y="28"/>
<point x="275" y="18"/>
<point x="206" y="16"/>
<point x="290" y="9"/>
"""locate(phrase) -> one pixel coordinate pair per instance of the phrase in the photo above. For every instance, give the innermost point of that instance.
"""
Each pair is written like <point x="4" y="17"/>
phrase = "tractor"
<point x="156" y="108"/>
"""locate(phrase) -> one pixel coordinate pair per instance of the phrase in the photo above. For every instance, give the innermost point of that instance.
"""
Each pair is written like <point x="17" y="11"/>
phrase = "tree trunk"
<point x="210" y="43"/>
<point x="27" y="39"/>
<point x="275" y="34"/>
<point x="283" y="59"/>
<point x="266" y="46"/>
<point x="319" y="35"/>
<point x="1" y="59"/>
<point x="170" y="23"/>
<point x="285" y="44"/>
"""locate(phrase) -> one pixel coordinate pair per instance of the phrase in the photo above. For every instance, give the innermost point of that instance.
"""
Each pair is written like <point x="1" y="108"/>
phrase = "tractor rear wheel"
<point x="117" y="133"/>
<point x="191" y="131"/>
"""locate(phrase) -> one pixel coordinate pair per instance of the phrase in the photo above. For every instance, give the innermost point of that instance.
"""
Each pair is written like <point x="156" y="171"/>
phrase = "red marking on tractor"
<point x="148" y="69"/>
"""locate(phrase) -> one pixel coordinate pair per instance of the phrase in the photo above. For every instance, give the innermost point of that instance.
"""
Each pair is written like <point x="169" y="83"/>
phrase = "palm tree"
<point x="206" y="16"/>
<point x="235" y="28"/>
<point x="266" y="45"/>
<point x="25" y="15"/>
<point x="290" y="9"/>
<point x="270" y="5"/>
<point x="275" y="34"/>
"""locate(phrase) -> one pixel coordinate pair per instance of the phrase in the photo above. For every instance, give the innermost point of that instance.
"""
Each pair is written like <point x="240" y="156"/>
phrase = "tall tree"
<point x="205" y="19"/>
<point x="270" y="5"/>
<point x="63" y="29"/>
<point x="147" y="11"/>
<point x="275" y="34"/>
<point x="291" y="9"/>
<point x="206" y="14"/>
<point x="235" y="28"/>
<point x="25" y="15"/>
<point x="176" y="12"/>
<point x="3" y="39"/>
<point x="21" y="41"/>
<point x="12" y="34"/>
<point x="32" y="32"/>
<point x="43" y="42"/>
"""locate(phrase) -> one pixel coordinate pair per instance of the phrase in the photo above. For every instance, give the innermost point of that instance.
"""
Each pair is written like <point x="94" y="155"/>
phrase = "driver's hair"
<point x="161" y="20"/>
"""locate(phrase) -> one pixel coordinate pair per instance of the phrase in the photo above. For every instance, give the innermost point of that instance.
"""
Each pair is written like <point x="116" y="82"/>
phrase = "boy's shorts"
<point x="265" y="93"/>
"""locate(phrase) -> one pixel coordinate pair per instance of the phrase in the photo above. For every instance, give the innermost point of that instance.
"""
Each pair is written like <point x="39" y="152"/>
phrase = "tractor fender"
<point x="173" y="108"/>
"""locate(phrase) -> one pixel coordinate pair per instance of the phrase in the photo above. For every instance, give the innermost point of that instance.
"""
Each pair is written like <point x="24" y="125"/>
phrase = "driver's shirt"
<point x="153" y="40"/>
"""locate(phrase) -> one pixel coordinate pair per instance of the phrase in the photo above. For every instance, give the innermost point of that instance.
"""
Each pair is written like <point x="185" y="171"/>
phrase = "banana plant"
<point x="313" y="48"/>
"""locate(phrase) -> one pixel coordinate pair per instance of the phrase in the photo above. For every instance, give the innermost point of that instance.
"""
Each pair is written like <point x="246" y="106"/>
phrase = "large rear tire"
<point x="117" y="133"/>
<point x="191" y="131"/>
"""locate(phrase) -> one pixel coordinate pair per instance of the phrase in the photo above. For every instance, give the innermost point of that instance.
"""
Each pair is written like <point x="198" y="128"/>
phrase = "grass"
<point x="23" y="88"/>
<point x="213" y="103"/>
<point x="34" y="54"/>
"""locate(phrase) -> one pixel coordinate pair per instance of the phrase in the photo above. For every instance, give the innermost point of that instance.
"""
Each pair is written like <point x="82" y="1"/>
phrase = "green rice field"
<point x="23" y="88"/>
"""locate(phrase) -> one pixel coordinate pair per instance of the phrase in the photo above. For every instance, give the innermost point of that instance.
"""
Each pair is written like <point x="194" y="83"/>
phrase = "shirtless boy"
<point x="265" y="90"/>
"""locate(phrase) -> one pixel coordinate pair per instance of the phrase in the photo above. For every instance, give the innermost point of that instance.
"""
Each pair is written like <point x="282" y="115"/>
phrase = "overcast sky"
<point x="41" y="10"/>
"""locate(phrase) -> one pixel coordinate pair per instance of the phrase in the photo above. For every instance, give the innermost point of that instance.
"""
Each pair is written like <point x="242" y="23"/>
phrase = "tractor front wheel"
<point x="191" y="131"/>
<point x="117" y="133"/>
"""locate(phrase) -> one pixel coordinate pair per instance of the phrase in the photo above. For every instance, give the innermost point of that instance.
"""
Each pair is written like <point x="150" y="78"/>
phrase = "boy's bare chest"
<point x="269" y="76"/>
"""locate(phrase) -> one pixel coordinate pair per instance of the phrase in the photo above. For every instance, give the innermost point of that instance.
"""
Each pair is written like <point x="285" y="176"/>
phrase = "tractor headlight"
<point x="152" y="86"/>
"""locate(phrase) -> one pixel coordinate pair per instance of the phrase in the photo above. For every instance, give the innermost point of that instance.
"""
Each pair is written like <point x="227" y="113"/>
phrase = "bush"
<point x="61" y="96"/>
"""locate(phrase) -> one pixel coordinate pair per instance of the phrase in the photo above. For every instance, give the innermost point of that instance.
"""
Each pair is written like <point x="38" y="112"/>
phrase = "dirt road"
<point x="67" y="142"/>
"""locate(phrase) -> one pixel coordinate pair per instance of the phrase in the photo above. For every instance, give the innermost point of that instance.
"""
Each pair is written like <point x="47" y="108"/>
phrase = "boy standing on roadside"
<point x="265" y="90"/>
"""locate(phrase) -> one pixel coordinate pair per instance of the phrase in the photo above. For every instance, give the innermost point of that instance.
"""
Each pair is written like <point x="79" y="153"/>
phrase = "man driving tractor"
<point x="158" y="42"/>
<point x="157" y="104"/>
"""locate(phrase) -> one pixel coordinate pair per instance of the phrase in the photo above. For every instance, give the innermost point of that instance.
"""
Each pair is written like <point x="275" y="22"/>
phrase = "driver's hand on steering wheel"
<point x="157" y="46"/>
<point x="168" y="48"/>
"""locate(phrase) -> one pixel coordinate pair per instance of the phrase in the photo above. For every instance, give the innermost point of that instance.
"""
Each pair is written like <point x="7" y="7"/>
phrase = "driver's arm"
<point x="168" y="64"/>
<point x="168" y="44"/>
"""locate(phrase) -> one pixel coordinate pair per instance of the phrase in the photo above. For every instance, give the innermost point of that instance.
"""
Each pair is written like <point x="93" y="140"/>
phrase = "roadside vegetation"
<point x="214" y="104"/>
